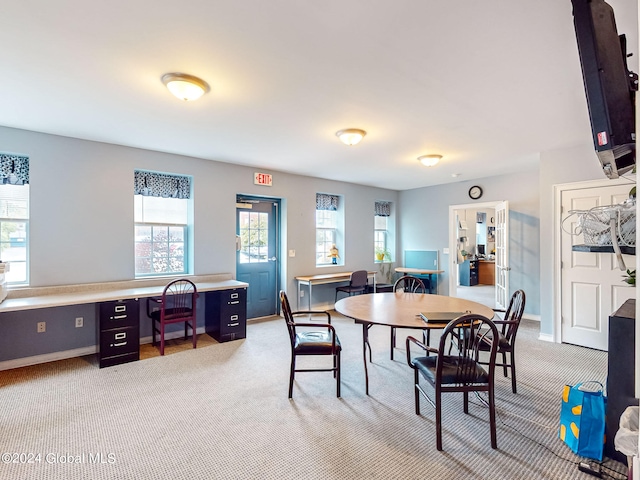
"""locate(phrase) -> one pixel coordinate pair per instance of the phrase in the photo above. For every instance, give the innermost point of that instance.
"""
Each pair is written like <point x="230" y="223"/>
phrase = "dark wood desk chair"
<point x="508" y="327"/>
<point x="409" y="284"/>
<point x="324" y="342"/>
<point x="456" y="369"/>
<point x="177" y="305"/>
<point x="357" y="284"/>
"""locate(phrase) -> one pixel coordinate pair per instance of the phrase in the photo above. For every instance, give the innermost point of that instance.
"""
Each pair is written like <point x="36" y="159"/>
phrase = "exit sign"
<point x="262" y="179"/>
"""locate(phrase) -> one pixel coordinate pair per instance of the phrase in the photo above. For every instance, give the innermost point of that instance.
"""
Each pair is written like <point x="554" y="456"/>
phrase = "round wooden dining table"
<point x="402" y="310"/>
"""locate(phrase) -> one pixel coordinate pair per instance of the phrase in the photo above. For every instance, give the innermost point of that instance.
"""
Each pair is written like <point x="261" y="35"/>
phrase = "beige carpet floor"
<point x="221" y="412"/>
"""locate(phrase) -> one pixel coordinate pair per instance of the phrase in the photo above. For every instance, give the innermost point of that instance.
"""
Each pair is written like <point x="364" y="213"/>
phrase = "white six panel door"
<point x="592" y="284"/>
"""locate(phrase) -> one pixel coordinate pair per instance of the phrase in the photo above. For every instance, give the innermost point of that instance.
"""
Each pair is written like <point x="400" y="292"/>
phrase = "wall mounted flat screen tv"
<point x="609" y="85"/>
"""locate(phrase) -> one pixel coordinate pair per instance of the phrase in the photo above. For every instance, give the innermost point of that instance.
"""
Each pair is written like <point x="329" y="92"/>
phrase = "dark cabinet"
<point x="468" y="271"/>
<point x="620" y="372"/>
<point x="226" y="314"/>
<point x="118" y="332"/>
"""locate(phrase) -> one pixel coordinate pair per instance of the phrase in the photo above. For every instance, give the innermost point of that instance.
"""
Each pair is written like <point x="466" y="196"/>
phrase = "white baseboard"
<point x="546" y="337"/>
<point x="76" y="352"/>
<point x="529" y="316"/>
<point x="47" y="357"/>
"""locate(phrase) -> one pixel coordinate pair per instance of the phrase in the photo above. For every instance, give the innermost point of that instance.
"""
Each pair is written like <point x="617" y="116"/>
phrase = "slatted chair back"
<point x="409" y="284"/>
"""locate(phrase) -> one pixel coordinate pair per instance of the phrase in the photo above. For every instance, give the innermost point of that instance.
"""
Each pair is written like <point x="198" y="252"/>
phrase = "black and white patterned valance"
<point x="14" y="169"/>
<point x="324" y="201"/>
<point x="152" y="184"/>
<point x="383" y="209"/>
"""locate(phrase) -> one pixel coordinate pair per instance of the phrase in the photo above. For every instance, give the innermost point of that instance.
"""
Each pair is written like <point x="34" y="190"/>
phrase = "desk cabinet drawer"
<point x="118" y="332"/>
<point x="226" y="314"/>
<point x="119" y="341"/>
<point x="119" y="313"/>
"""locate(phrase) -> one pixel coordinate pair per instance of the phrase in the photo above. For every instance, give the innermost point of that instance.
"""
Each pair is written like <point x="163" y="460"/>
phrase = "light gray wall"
<point x="424" y="225"/>
<point x="81" y="223"/>
<point x="576" y="164"/>
<point x="81" y="218"/>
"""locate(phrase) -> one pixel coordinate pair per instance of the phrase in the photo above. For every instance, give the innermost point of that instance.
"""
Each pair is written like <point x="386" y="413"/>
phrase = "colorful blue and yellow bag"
<point x="582" y="420"/>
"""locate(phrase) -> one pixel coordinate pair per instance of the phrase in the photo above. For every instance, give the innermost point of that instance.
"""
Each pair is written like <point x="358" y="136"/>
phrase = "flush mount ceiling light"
<point x="430" y="160"/>
<point x="350" y="136"/>
<point x="185" y="87"/>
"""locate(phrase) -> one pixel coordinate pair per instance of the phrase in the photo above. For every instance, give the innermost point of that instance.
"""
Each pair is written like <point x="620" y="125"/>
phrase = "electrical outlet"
<point x="79" y="322"/>
<point x="42" y="327"/>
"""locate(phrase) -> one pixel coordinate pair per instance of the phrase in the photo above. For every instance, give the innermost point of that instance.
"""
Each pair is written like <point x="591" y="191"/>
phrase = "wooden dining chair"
<point x="305" y="342"/>
<point x="457" y="369"/>
<point x="409" y="284"/>
<point x="177" y="305"/>
<point x="507" y="329"/>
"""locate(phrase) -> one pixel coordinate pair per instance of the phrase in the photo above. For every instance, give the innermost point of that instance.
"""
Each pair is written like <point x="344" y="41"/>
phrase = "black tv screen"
<point x="609" y="85"/>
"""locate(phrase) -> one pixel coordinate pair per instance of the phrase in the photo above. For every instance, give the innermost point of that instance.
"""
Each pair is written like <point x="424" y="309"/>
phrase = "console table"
<point x="311" y="280"/>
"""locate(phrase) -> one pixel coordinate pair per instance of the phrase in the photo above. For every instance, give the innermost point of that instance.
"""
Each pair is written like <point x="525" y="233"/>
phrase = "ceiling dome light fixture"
<point x="185" y="87"/>
<point x="351" y="136"/>
<point x="430" y="160"/>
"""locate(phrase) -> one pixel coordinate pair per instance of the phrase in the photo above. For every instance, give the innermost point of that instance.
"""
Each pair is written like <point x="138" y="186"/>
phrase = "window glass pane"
<point x="14" y="231"/>
<point x="162" y="210"/>
<point x="255" y="237"/>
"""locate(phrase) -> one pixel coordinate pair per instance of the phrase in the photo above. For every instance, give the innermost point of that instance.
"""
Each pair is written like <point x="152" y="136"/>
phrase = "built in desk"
<point x="118" y="301"/>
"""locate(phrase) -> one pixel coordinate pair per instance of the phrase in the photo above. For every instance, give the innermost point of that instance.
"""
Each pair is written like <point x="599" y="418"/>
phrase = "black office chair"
<point x="177" y="305"/>
<point x="324" y="342"/>
<point x="409" y="284"/>
<point x="357" y="284"/>
<point x="455" y="367"/>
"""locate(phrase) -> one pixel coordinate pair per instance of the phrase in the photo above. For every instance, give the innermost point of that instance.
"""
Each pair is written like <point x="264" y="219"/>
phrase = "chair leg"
<point x="438" y="419"/>
<point x="161" y="338"/>
<point x="513" y="372"/>
<point x="292" y="374"/>
<point x="466" y="402"/>
<point x="338" y="374"/>
<point x="193" y="332"/>
<point x="393" y="340"/>
<point x="416" y="392"/>
<point x="504" y="363"/>
<point x="492" y="418"/>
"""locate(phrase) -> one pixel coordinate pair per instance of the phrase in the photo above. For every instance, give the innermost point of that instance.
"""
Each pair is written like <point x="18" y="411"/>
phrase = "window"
<point x="161" y="216"/>
<point x="254" y="231"/>
<point x="381" y="232"/>
<point x="328" y="235"/>
<point x="14" y="231"/>
<point x="14" y="217"/>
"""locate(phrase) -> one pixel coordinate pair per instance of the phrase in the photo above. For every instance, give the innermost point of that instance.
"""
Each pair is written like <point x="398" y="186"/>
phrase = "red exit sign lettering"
<point x="262" y="179"/>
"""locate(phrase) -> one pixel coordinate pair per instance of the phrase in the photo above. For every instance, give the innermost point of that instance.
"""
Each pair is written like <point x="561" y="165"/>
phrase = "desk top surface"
<point x="420" y="271"/>
<point x="105" y="295"/>
<point x="403" y="310"/>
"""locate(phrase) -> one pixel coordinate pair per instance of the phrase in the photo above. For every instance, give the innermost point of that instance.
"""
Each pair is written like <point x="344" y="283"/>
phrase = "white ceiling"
<point x="488" y="84"/>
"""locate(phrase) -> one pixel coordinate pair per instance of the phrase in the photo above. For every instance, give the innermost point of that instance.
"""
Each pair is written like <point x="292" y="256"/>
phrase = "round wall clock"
<point x="475" y="192"/>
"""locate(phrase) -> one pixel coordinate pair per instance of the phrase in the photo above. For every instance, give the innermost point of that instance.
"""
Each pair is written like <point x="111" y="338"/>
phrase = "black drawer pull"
<point x="121" y="335"/>
<point x="120" y="308"/>
<point x="121" y="344"/>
